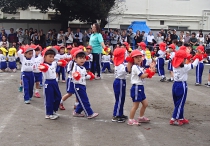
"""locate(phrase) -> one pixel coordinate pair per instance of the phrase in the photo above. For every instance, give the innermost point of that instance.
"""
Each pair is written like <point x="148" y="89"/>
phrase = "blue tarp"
<point x="139" y="25"/>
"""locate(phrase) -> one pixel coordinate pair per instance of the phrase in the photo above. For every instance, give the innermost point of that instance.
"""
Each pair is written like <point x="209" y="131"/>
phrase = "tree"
<point x="88" y="11"/>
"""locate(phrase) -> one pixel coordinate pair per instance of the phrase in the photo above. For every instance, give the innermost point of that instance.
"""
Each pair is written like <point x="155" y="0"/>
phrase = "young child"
<point x="148" y="57"/>
<point x="37" y="72"/>
<point x="68" y="54"/>
<point x="172" y="50"/>
<point x="52" y="93"/>
<point x="160" y="61"/>
<point x="3" y="62"/>
<point x="12" y="56"/>
<point x="80" y="75"/>
<point x="119" y="85"/>
<point x="69" y="83"/>
<point x="200" y="66"/>
<point x="208" y="83"/>
<point x="27" y="59"/>
<point x="142" y="49"/>
<point x="105" y="60"/>
<point x="138" y="74"/>
<point x="179" y="89"/>
<point x="89" y="58"/>
<point x="61" y="70"/>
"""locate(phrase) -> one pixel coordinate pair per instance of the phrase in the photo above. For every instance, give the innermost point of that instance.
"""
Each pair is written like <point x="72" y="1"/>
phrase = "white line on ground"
<point x="8" y="117"/>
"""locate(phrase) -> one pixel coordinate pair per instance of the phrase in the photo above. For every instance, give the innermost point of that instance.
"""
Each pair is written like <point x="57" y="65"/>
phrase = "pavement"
<point x="25" y="125"/>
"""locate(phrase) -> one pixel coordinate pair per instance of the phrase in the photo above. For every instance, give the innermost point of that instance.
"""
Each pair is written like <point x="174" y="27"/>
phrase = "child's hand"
<point x="76" y="76"/>
<point x="92" y="76"/>
<point x="62" y="63"/>
<point x="43" y="67"/>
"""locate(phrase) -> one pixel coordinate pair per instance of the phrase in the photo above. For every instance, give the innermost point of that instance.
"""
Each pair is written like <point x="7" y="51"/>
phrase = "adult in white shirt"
<point x="201" y="39"/>
<point x="78" y="37"/>
<point x="159" y="38"/>
<point x="69" y="37"/>
<point x="150" y="38"/>
<point x="61" y="38"/>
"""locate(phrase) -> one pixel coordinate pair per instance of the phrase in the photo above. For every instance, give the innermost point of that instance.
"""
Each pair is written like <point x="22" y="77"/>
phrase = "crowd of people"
<point x="85" y="56"/>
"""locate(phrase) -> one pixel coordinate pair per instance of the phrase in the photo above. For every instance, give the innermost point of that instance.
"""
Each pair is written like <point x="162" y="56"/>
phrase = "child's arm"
<point x="149" y="73"/>
<point x="129" y="66"/>
<point x="20" y="55"/>
<point x="62" y="62"/>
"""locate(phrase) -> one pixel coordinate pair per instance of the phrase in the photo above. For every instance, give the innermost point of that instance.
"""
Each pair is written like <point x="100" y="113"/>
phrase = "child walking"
<point x="172" y="49"/>
<point x="79" y="78"/>
<point x="138" y="74"/>
<point x="119" y="85"/>
<point x="51" y="90"/>
<point x="160" y="61"/>
<point x="27" y="59"/>
<point x="179" y="89"/>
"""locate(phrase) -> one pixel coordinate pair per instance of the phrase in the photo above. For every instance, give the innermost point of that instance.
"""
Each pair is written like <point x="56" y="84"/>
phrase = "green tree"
<point x="88" y="11"/>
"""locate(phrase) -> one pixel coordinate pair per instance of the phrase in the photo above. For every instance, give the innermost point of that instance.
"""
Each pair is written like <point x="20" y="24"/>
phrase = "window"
<point x="161" y="22"/>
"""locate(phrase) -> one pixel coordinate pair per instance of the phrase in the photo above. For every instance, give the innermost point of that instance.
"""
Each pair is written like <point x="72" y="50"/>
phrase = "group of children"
<point x="54" y="61"/>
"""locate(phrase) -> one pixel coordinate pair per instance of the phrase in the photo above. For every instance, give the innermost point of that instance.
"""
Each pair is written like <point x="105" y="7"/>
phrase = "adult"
<point x="159" y="38"/>
<point x="150" y="38"/>
<point x="199" y="33"/>
<point x="78" y="38"/>
<point x="97" y="43"/>
<point x="20" y="37"/>
<point x="201" y="39"/>
<point x="4" y="43"/>
<point x="130" y="37"/>
<point x="60" y="38"/>
<point x="193" y="40"/>
<point x="173" y="35"/>
<point x="42" y="39"/>
<point x="26" y="38"/>
<point x="163" y="33"/>
<point x="114" y="38"/>
<point x="31" y="32"/>
<point x="12" y="37"/>
<point x="138" y="38"/>
<point x="123" y="37"/>
<point x="3" y="33"/>
<point x="187" y="38"/>
<point x="69" y="37"/>
<point x="49" y="38"/>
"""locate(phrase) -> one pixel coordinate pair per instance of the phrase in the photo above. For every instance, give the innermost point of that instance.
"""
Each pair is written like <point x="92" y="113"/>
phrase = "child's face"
<point x="29" y="54"/>
<point x="62" y="50"/>
<point x="49" y="58"/>
<point x="88" y="51"/>
<point x="137" y="60"/>
<point x="155" y="50"/>
<point x="69" y="51"/>
<point x="37" y="52"/>
<point x="122" y="46"/>
<point x="80" y="60"/>
<point x="170" y="50"/>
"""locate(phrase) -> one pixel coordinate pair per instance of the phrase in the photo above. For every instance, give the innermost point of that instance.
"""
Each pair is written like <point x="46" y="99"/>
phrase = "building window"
<point x="161" y="22"/>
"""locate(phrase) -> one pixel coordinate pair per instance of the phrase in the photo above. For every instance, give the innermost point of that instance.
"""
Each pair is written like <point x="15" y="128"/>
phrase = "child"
<point x="106" y="58"/>
<point x="52" y="93"/>
<point x="61" y="70"/>
<point x="160" y="61"/>
<point x="37" y="72"/>
<point x="138" y="74"/>
<point x="148" y="57"/>
<point x="89" y="58"/>
<point x="171" y="48"/>
<point x="27" y="59"/>
<point x="12" y="56"/>
<point x="200" y="67"/>
<point x="119" y="85"/>
<point x="142" y="48"/>
<point x="68" y="54"/>
<point x="80" y="75"/>
<point x="179" y="89"/>
<point x="208" y="83"/>
<point x="69" y="83"/>
<point x="3" y="63"/>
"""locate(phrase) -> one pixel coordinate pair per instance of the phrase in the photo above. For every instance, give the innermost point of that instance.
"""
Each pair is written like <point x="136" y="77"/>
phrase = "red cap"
<point x="51" y="48"/>
<point x="69" y="47"/>
<point x="135" y="53"/>
<point x="183" y="48"/>
<point x="172" y="46"/>
<point x="78" y="51"/>
<point x="200" y="48"/>
<point x="81" y="47"/>
<point x="74" y="50"/>
<point x="142" y="45"/>
<point x="57" y="47"/>
<point x="179" y="58"/>
<point x="119" y="56"/>
<point x="28" y="48"/>
<point x="38" y="46"/>
<point x="126" y="45"/>
<point x="89" y="47"/>
<point x="162" y="46"/>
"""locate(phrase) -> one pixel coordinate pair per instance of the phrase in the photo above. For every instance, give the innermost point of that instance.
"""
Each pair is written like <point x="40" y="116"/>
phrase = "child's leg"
<point x="133" y="109"/>
<point x="197" y="73"/>
<point x="172" y="75"/>
<point x="108" y="67"/>
<point x="201" y="72"/>
<point x="80" y="92"/>
<point x="49" y="98"/>
<point x="57" y="96"/>
<point x="25" y="82"/>
<point x="63" y="73"/>
<point x="179" y="92"/>
<point x="103" y="67"/>
<point x="31" y="85"/>
<point x="143" y="108"/>
<point x="209" y="78"/>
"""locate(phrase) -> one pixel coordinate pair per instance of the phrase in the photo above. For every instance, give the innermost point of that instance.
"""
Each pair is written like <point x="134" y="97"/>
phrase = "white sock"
<point x="162" y="76"/>
<point x="208" y="82"/>
<point x="36" y="90"/>
<point x="61" y="101"/>
<point x="172" y="78"/>
<point x="172" y="119"/>
<point x="76" y="103"/>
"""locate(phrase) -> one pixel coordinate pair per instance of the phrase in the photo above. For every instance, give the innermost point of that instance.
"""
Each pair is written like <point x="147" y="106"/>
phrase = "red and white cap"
<point x="50" y="48"/>
<point x="179" y="58"/>
<point x="142" y="45"/>
<point x="135" y="53"/>
<point x="89" y="47"/>
<point x="119" y="56"/>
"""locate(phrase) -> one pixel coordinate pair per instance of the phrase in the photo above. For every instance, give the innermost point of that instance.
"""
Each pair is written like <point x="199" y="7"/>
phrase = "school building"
<point x="174" y="14"/>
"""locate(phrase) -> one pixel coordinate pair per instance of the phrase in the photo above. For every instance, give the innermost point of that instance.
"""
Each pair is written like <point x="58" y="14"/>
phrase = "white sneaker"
<point x="1" y="70"/>
<point x="97" y="78"/>
<point x="51" y="117"/>
<point x="14" y="70"/>
<point x="27" y="102"/>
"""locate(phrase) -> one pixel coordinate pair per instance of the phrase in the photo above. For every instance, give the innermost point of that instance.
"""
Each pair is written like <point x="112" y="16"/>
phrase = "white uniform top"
<point x="2" y="58"/>
<point x="59" y="57"/>
<point x="51" y="72"/>
<point x="136" y="72"/>
<point x="142" y="51"/>
<point x="38" y="60"/>
<point x="27" y="65"/>
<point x="161" y="54"/>
<point x="121" y="71"/>
<point x="69" y="66"/>
<point x="91" y="58"/>
<point x="172" y="54"/>
<point x="68" y="56"/>
<point x="11" y="58"/>
<point x="180" y="74"/>
<point x="83" y="74"/>
<point x="106" y="58"/>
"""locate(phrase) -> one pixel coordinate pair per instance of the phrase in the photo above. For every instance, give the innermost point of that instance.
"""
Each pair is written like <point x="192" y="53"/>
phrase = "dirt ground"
<point x="25" y="125"/>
